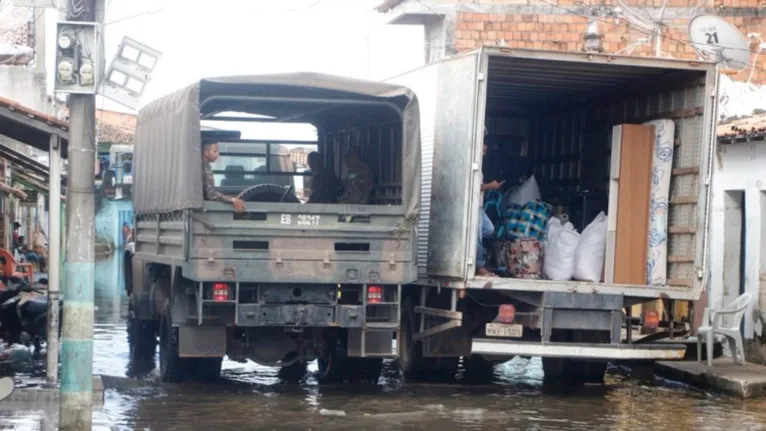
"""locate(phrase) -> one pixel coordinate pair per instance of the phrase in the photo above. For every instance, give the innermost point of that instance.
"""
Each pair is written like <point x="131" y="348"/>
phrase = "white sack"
<point x="525" y="193"/>
<point x="589" y="258"/>
<point x="560" y="255"/>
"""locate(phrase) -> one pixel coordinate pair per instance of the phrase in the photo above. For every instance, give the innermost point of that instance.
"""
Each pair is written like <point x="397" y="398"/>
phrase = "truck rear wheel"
<point x="411" y="360"/>
<point x="562" y="371"/>
<point x="142" y="340"/>
<point x="334" y="363"/>
<point x="206" y="369"/>
<point x="478" y="368"/>
<point x="173" y="368"/>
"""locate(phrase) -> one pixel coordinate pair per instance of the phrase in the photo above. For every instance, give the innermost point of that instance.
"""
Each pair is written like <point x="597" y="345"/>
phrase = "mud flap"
<point x="201" y="341"/>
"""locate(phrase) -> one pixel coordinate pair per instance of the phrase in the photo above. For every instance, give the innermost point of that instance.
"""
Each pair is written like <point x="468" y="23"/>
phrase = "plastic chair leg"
<point x="699" y="347"/>
<point x="737" y="349"/>
<point x="709" y="346"/>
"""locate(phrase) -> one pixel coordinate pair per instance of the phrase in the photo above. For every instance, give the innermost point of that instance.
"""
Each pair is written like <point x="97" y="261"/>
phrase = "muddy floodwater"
<point x="251" y="397"/>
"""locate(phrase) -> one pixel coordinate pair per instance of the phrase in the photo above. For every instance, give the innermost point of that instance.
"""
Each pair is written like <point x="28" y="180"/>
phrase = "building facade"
<point x="453" y="26"/>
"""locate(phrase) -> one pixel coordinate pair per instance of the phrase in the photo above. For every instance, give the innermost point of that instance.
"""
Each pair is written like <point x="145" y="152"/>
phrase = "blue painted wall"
<point x="109" y="220"/>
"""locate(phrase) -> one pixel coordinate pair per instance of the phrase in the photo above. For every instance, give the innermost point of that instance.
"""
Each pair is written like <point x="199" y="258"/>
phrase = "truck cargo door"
<point x="449" y="96"/>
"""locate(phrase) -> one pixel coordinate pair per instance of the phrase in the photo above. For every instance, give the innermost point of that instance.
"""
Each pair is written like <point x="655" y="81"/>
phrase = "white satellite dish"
<point x="717" y="40"/>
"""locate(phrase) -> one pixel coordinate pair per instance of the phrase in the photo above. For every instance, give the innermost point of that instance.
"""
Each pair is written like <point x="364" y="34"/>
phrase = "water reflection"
<point x="249" y="396"/>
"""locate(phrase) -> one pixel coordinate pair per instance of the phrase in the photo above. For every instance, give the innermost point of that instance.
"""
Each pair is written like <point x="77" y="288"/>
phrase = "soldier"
<point x="358" y="180"/>
<point x="325" y="186"/>
<point x="210" y="155"/>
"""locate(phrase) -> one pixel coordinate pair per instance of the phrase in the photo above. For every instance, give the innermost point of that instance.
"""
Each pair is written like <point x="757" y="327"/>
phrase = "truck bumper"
<point x="344" y="316"/>
<point x="610" y="352"/>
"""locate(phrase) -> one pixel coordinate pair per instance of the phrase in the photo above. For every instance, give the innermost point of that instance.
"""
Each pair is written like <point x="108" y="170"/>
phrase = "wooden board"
<point x="629" y="202"/>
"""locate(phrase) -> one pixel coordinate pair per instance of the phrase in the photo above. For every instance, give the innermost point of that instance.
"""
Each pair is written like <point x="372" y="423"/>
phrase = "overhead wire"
<point x="686" y="42"/>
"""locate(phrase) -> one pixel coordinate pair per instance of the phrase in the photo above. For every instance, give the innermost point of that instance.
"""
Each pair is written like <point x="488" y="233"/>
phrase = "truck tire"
<point x="478" y="368"/>
<point x="173" y="368"/>
<point x="206" y="369"/>
<point x="572" y="372"/>
<point x="293" y="373"/>
<point x="366" y="370"/>
<point x="272" y="193"/>
<point x="142" y="339"/>
<point x="411" y="361"/>
<point x="334" y="363"/>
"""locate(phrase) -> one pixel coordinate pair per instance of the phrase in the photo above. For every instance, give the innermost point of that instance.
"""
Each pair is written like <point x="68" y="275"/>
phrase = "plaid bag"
<point x="529" y="221"/>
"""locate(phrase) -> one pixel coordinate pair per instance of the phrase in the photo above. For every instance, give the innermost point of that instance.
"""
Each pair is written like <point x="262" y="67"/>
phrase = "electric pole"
<point x="76" y="401"/>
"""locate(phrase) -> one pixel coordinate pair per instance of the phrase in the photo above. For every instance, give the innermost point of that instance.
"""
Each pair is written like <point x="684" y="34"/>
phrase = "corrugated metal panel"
<point x="423" y="82"/>
<point x="427" y="145"/>
<point x="515" y="81"/>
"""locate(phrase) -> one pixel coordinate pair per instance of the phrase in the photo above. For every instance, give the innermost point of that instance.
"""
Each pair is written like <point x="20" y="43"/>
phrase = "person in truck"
<point x="486" y="228"/>
<point x="210" y="193"/>
<point x="325" y="186"/>
<point x="358" y="180"/>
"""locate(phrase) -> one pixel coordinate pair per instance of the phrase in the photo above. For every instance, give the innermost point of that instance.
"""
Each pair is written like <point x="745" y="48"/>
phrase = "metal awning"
<point x="30" y="127"/>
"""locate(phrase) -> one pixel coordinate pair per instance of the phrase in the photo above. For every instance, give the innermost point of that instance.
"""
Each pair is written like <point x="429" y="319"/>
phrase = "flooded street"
<point x="249" y="397"/>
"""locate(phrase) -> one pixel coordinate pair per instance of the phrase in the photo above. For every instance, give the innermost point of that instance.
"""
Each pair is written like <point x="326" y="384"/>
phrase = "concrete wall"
<point x="740" y="172"/>
<point x="24" y="85"/>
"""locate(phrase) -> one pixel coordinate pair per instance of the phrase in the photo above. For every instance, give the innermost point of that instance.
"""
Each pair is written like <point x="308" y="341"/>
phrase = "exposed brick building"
<point x="453" y="26"/>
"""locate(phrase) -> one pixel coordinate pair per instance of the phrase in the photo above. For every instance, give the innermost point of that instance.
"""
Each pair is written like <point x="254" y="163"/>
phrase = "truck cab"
<point x="284" y="282"/>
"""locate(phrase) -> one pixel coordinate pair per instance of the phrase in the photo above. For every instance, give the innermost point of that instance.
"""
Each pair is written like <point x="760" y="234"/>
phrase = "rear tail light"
<point x="506" y="313"/>
<point x="374" y="295"/>
<point x="651" y="319"/>
<point x="220" y="292"/>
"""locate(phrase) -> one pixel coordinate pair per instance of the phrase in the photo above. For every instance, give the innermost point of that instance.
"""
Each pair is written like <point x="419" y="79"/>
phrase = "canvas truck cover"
<point x="167" y="155"/>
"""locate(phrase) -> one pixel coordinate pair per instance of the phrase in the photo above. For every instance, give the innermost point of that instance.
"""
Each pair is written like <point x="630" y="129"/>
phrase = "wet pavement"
<point x="251" y="397"/>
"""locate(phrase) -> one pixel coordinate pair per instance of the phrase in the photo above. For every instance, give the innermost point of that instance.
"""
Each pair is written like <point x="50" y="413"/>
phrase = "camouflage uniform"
<point x="358" y="184"/>
<point x="209" y="191"/>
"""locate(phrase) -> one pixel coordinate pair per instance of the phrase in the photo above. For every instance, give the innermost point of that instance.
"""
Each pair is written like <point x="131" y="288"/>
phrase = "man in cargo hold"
<point x="325" y="186"/>
<point x="210" y="155"/>
<point x="486" y="228"/>
<point x="358" y="180"/>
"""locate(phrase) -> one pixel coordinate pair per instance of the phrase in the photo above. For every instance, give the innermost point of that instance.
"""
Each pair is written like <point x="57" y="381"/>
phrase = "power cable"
<point x="685" y="42"/>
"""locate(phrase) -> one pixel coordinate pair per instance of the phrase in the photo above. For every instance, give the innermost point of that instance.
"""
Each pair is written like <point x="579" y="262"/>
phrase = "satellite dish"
<point x="717" y="40"/>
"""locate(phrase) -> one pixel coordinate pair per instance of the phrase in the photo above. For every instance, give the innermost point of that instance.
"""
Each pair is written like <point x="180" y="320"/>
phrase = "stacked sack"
<point x="569" y="254"/>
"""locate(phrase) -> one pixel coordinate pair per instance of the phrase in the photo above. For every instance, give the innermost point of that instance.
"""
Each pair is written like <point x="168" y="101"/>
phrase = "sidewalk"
<point x="43" y="398"/>
<point x="742" y="381"/>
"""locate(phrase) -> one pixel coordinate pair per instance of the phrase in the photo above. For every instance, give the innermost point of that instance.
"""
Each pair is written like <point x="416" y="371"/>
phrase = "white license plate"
<point x="503" y="330"/>
<point x="300" y="219"/>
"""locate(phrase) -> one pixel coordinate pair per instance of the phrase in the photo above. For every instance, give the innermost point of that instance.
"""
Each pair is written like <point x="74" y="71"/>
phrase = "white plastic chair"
<point x="712" y="323"/>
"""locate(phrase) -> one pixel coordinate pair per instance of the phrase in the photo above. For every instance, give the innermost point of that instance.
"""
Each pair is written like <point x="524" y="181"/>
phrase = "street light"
<point x="130" y="72"/>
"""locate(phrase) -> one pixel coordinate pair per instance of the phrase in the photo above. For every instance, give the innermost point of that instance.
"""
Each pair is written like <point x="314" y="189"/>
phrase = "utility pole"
<point x="54" y="261"/>
<point x="76" y="401"/>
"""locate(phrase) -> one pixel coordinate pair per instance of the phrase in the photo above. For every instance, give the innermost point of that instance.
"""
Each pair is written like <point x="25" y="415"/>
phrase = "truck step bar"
<point x="648" y="352"/>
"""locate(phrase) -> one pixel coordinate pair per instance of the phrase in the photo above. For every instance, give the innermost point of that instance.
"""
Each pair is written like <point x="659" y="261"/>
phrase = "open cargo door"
<point x="452" y="121"/>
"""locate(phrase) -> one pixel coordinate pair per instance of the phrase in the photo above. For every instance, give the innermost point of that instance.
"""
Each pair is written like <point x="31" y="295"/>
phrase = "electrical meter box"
<point x="77" y="57"/>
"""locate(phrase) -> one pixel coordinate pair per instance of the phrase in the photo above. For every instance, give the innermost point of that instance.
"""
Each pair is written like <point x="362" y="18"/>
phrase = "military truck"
<point x="283" y="283"/>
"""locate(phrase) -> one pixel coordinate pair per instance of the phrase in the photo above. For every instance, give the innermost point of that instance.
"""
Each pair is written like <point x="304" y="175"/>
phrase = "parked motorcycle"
<point x="24" y="312"/>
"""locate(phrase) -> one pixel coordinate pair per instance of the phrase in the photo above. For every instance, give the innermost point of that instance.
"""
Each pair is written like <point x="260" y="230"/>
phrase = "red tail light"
<point x="374" y="295"/>
<point x="651" y="319"/>
<point x="220" y="292"/>
<point x="506" y="313"/>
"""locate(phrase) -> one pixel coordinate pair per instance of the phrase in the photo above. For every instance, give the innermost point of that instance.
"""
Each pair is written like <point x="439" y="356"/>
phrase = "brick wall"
<point x="564" y="31"/>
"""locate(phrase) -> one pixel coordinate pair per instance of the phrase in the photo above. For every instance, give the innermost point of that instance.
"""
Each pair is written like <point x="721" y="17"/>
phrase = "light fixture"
<point x="129" y="73"/>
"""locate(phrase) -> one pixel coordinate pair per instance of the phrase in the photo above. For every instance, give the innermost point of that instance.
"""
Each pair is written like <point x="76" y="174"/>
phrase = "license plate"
<point x="503" y="330"/>
<point x="300" y="219"/>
